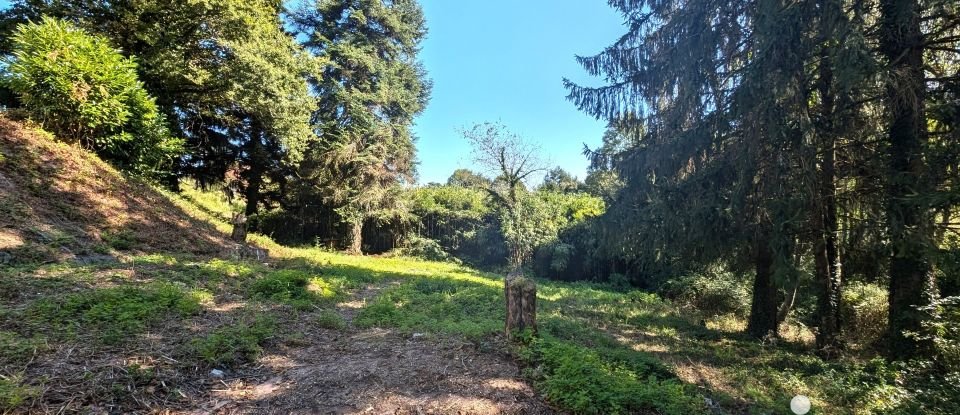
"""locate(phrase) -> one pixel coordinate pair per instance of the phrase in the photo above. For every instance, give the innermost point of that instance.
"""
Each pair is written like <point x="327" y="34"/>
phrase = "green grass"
<point x="13" y="392"/>
<point x="299" y="289"/>
<point x="600" y="349"/>
<point x="16" y="349"/>
<point x="111" y="315"/>
<point x="235" y="344"/>
<point x="329" y="319"/>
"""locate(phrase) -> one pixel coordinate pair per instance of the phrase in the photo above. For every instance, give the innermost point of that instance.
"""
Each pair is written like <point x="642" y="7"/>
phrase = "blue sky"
<point x="504" y="60"/>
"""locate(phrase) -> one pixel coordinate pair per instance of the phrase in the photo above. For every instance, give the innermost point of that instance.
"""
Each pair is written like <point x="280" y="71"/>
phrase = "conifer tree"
<point x="368" y="94"/>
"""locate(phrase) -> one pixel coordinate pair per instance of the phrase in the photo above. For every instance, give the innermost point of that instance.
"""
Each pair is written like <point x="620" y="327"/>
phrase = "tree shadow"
<point x="61" y="201"/>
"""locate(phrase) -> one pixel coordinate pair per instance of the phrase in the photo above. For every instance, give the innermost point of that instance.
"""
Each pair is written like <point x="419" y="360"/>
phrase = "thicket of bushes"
<point x="79" y="87"/>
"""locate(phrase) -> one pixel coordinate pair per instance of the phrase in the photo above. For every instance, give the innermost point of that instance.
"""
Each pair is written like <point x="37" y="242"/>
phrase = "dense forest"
<point x="788" y="165"/>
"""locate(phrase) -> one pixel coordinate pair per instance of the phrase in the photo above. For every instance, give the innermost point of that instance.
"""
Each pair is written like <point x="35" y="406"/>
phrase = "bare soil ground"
<point x="374" y="371"/>
<point x="308" y="370"/>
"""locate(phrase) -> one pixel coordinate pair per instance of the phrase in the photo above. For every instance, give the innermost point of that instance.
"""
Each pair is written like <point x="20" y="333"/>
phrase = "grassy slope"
<point x="65" y="326"/>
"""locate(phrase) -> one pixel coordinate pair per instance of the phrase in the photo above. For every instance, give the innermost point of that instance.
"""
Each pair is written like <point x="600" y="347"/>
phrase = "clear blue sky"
<point x="504" y="60"/>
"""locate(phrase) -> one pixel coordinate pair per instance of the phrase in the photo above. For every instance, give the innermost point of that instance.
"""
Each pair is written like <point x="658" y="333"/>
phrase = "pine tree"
<point x="368" y="94"/>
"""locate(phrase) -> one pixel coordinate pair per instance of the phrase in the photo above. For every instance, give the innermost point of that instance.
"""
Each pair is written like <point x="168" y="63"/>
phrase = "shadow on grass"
<point x="57" y="201"/>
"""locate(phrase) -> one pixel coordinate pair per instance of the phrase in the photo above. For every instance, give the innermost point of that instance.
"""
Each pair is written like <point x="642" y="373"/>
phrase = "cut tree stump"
<point x="521" y="296"/>
<point x="239" y="234"/>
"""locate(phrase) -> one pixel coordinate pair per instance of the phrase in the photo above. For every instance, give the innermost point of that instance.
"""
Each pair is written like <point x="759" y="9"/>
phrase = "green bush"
<point x="423" y="248"/>
<point x="235" y="344"/>
<point x="864" y="313"/>
<point x="461" y="221"/>
<point x="713" y="293"/>
<point x="81" y="89"/>
<point x="577" y="253"/>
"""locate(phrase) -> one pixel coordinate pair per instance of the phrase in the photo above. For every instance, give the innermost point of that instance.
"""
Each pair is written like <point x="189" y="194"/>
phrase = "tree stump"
<point x="239" y="234"/>
<point x="521" y="296"/>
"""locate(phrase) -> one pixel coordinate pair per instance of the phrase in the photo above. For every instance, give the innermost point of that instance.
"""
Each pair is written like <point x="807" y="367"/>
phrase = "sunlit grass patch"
<point x="299" y="289"/>
<point x="585" y="381"/>
<point x="233" y="269"/>
<point x="439" y="305"/>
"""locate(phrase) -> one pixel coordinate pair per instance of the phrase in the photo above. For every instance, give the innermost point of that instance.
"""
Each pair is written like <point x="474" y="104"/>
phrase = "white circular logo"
<point x="800" y="404"/>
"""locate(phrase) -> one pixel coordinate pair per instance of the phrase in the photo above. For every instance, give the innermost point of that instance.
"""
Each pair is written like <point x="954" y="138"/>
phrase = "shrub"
<point x="575" y="255"/>
<point x="423" y="248"/>
<point x="461" y="221"/>
<point x="235" y="344"/>
<point x="713" y="293"/>
<point x="81" y="89"/>
<point x="864" y="313"/>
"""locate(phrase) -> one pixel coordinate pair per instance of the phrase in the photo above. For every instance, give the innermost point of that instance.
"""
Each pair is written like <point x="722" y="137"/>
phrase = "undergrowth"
<point x="110" y="315"/>
<point x="584" y="381"/>
<point x="235" y="344"/>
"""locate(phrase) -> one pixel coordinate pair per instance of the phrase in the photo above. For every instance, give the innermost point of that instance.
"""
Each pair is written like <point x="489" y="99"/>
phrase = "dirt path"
<point x="375" y="371"/>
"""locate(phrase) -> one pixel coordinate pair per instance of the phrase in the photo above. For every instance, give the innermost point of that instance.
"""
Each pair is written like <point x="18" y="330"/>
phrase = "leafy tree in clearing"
<point x="80" y="88"/>
<point x="513" y="160"/>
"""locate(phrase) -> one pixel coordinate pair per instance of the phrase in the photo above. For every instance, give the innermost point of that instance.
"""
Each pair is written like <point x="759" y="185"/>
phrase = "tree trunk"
<point x="901" y="41"/>
<point x="239" y="234"/>
<point x="826" y="258"/>
<point x="521" y="299"/>
<point x="788" y="302"/>
<point x="255" y="174"/>
<point x="355" y="238"/>
<point x="763" y="308"/>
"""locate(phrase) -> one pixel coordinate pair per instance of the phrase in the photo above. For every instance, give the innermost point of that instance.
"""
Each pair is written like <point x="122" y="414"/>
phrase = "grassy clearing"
<point x="600" y="350"/>
<point x="603" y="350"/>
<point x="111" y="315"/>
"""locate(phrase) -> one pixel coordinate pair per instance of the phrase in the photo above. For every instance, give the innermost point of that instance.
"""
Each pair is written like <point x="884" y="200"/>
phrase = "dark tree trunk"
<point x="826" y="257"/>
<point x="254" y="174"/>
<point x="763" y="308"/>
<point x="355" y="238"/>
<point x="252" y="194"/>
<point x="909" y="233"/>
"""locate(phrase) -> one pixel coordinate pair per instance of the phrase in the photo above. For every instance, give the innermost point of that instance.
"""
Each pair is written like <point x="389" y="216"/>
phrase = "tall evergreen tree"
<point x="368" y="95"/>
